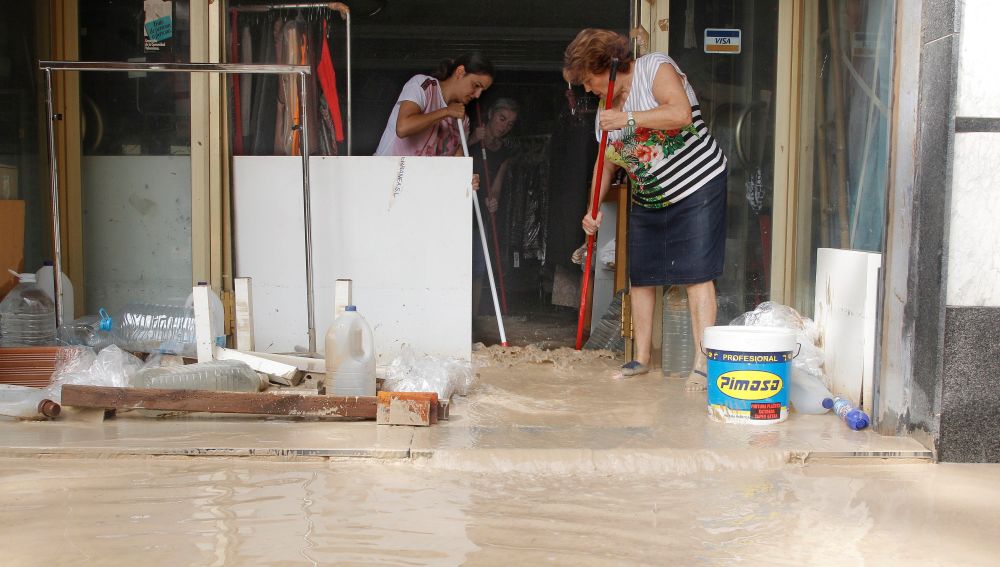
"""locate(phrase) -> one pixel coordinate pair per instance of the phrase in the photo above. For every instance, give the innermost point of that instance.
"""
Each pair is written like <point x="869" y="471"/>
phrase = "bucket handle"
<point x="798" y="351"/>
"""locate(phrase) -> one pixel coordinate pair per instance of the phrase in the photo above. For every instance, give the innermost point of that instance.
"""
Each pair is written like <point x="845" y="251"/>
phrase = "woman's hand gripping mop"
<point x="596" y="201"/>
<point x="482" y="238"/>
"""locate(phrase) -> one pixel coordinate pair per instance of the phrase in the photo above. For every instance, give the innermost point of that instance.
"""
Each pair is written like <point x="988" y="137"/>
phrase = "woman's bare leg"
<point x="702" y="304"/>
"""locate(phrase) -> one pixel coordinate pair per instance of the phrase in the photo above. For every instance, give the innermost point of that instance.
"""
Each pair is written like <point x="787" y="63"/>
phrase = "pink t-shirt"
<point x="441" y="139"/>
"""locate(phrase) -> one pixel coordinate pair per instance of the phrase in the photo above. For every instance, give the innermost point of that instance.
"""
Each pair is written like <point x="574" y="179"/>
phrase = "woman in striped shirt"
<point x="677" y="219"/>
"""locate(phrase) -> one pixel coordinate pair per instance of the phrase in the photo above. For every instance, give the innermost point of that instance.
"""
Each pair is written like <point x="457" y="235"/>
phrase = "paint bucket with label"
<point x="748" y="372"/>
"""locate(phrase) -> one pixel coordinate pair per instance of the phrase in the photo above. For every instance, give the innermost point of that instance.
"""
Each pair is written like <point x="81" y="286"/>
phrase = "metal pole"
<point x="307" y="214"/>
<point x="54" y="185"/>
<point x="350" y="127"/>
<point x="482" y="238"/>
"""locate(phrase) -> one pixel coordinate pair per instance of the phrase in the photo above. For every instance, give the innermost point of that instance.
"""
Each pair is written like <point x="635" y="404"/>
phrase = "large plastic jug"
<point x="218" y="314"/>
<point x="47" y="282"/>
<point x="27" y="315"/>
<point x="350" y="355"/>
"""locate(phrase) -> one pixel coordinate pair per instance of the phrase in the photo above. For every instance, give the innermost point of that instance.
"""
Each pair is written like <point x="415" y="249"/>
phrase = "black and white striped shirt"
<point x="665" y="167"/>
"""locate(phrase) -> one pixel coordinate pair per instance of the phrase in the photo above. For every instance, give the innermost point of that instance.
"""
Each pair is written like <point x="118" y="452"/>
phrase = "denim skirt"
<point x="683" y="243"/>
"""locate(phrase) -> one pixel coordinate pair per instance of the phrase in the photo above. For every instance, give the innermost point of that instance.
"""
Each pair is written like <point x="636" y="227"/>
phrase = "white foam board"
<point x="846" y="311"/>
<point x="401" y="234"/>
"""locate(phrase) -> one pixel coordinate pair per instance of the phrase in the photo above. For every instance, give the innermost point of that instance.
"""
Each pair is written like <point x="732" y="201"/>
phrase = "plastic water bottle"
<point x="218" y="375"/>
<point x="47" y="282"/>
<point x="26" y="403"/>
<point x="854" y="417"/>
<point x="218" y="314"/>
<point x="350" y="355"/>
<point x="148" y="327"/>
<point x="678" y="339"/>
<point x="90" y="330"/>
<point x="27" y="315"/>
<point x="807" y="392"/>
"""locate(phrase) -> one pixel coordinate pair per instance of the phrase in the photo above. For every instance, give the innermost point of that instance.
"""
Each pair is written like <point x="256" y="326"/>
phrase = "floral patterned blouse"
<point x="665" y="166"/>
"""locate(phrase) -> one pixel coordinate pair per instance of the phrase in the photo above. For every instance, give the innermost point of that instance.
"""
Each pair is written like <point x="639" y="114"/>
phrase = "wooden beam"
<point x="243" y="313"/>
<point x="407" y="408"/>
<point x="258" y="363"/>
<point x="296" y="405"/>
<point x="204" y="331"/>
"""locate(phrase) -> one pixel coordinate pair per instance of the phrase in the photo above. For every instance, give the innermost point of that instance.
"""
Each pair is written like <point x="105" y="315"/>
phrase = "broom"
<point x="585" y="288"/>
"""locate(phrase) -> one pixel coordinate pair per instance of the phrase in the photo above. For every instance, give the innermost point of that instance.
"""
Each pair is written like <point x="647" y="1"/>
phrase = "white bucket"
<point x="748" y="373"/>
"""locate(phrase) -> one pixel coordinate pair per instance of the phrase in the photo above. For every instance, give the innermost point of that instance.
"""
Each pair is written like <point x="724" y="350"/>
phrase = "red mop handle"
<point x="585" y="288"/>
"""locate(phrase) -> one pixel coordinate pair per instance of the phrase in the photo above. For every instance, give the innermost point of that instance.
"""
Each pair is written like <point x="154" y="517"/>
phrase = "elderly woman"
<point x="422" y="122"/>
<point x="677" y="221"/>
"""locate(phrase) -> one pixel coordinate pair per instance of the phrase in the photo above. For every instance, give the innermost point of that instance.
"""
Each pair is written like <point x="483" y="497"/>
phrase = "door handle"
<point x="740" y="151"/>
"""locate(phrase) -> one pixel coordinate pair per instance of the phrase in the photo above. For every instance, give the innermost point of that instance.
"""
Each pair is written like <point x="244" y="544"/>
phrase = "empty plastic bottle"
<point x="678" y="339"/>
<point x="350" y="355"/>
<point x="147" y="327"/>
<point x="26" y="403"/>
<point x="218" y="375"/>
<point x="854" y="417"/>
<point x="27" y="315"/>
<point x="45" y="279"/>
<point x="807" y="392"/>
<point x="90" y="330"/>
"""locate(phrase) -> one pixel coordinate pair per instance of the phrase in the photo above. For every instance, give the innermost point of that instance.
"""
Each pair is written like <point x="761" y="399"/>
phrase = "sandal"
<point x="634" y="368"/>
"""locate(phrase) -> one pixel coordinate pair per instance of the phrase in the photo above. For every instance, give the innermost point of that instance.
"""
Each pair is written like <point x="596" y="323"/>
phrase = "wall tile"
<point x="978" y="80"/>
<point x="973" y="261"/>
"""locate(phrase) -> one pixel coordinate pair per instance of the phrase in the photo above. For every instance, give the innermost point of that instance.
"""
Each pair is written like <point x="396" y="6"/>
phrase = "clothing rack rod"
<point x="173" y="67"/>
<point x="301" y="70"/>
<point x="345" y="14"/>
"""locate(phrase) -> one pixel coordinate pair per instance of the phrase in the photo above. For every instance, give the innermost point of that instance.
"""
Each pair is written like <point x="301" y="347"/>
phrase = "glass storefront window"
<point x="846" y="92"/>
<point x="136" y="164"/>
<point x="135" y="113"/>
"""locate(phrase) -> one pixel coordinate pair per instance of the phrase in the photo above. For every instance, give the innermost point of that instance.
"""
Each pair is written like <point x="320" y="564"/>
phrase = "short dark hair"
<point x="590" y="53"/>
<point x="473" y="62"/>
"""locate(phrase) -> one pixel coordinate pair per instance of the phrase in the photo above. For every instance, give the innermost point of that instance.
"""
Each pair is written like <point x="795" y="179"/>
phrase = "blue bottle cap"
<point x="828" y="403"/>
<point x="856" y="419"/>
<point x="105" y="319"/>
<point x="351" y="308"/>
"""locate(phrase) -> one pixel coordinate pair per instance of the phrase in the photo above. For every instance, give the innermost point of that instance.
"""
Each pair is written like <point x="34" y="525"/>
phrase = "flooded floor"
<point x="549" y="459"/>
<point x="226" y="511"/>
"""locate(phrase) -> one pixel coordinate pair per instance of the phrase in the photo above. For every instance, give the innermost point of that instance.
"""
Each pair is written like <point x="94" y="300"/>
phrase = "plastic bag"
<point x="410" y="372"/>
<point x="770" y="314"/>
<point x="606" y="255"/>
<point x="112" y="367"/>
<point x="807" y="385"/>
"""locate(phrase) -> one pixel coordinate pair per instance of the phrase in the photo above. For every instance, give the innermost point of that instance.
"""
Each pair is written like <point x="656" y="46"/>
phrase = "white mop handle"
<point x="482" y="238"/>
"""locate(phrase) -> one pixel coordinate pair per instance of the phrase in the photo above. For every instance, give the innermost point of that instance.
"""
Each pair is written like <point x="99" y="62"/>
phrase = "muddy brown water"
<point x="534" y="496"/>
<point x="222" y="511"/>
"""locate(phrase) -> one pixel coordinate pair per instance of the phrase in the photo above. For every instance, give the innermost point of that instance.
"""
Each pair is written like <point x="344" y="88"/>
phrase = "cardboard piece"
<point x="11" y="243"/>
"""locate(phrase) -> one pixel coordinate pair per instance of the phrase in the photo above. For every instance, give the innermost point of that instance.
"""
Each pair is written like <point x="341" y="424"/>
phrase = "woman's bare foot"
<point x="697" y="381"/>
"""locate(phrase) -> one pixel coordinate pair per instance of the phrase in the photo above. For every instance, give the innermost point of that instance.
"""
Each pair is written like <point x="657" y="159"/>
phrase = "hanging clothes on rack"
<point x="265" y="108"/>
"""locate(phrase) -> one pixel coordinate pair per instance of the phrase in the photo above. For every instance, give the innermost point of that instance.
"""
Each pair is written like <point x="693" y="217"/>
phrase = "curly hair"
<point x="590" y="53"/>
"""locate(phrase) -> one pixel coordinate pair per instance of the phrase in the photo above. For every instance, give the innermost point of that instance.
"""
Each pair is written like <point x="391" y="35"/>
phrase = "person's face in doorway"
<point x="597" y="84"/>
<point x="470" y="86"/>
<point x="501" y="121"/>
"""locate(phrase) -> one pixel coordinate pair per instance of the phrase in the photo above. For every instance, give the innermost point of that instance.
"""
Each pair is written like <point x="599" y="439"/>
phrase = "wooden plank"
<point x="204" y="337"/>
<point x="342" y="296"/>
<point x="303" y="363"/>
<point x="407" y="408"/>
<point x="243" y="290"/>
<point x="258" y="363"/>
<point x="297" y="405"/>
